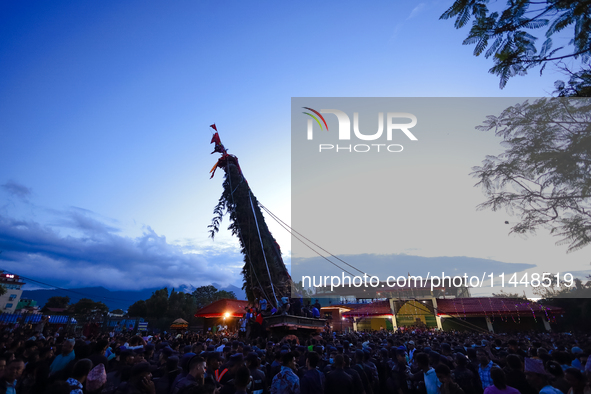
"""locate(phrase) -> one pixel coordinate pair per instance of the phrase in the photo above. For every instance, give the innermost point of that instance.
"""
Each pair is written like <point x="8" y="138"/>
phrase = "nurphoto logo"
<point x="345" y="130"/>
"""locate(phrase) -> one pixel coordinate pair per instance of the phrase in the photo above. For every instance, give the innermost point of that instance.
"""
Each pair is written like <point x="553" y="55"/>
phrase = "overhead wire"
<point x="288" y="229"/>
<point x="262" y="247"/>
<point x="292" y="231"/>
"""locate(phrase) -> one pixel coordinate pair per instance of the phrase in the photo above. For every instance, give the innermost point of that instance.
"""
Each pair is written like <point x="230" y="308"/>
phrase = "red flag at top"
<point x="213" y="127"/>
<point x="216" y="139"/>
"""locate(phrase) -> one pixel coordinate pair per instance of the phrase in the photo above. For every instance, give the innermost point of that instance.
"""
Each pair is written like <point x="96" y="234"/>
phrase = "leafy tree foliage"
<point x="503" y="294"/>
<point x="544" y="175"/>
<point x="575" y="300"/>
<point x="205" y="295"/>
<point x="264" y="272"/>
<point x="507" y="34"/>
<point x="578" y="85"/>
<point x="56" y="302"/>
<point x="138" y="309"/>
<point x="221" y="294"/>
<point x="157" y="304"/>
<point x="161" y="306"/>
<point x="181" y="305"/>
<point x="86" y="307"/>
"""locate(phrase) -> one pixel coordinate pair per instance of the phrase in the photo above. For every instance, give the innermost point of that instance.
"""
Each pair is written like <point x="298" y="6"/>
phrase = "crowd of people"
<point x="409" y="362"/>
<point x="252" y="324"/>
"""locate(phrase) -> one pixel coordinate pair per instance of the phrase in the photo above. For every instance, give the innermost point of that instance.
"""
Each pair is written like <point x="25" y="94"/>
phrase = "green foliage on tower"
<point x="264" y="272"/>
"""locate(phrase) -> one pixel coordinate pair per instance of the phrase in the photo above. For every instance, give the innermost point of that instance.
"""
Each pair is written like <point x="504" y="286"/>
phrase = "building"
<point x="28" y="306"/>
<point x="14" y="290"/>
<point x="496" y="314"/>
<point x="335" y="315"/>
<point x="460" y="314"/>
<point x="424" y="307"/>
<point x="224" y="312"/>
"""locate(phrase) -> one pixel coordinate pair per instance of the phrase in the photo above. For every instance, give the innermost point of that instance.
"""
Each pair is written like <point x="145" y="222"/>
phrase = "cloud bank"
<point x="80" y="250"/>
<point x="16" y="189"/>
<point x="401" y="264"/>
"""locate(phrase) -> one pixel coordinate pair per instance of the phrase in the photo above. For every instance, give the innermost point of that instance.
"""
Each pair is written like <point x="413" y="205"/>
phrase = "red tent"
<point x="223" y="308"/>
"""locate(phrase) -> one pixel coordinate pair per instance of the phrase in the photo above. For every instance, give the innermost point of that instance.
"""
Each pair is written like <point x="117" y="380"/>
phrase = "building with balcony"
<point x="14" y="290"/>
<point x="27" y="306"/>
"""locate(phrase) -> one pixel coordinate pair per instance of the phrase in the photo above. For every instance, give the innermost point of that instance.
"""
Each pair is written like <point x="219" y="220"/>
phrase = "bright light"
<point x="343" y="318"/>
<point x="227" y="314"/>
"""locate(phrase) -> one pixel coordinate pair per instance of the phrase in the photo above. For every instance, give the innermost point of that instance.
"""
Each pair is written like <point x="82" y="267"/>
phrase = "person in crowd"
<point x="398" y="381"/>
<point x="464" y="377"/>
<point x="228" y="374"/>
<point x="42" y="369"/>
<point x="120" y="372"/>
<point x="212" y="366"/>
<point x="514" y="374"/>
<point x="2" y="366"/>
<point x="486" y="364"/>
<point x="286" y="381"/>
<point x="357" y="383"/>
<point x="9" y="383"/>
<point x="426" y="375"/>
<point x="406" y="361"/>
<point x="96" y="379"/>
<point x="337" y="380"/>
<point x="576" y="381"/>
<point x="313" y="381"/>
<point x="538" y="377"/>
<point x="62" y="360"/>
<point x="195" y="375"/>
<point x="78" y="377"/>
<point x="363" y="372"/>
<point x="242" y="380"/>
<point x="98" y="352"/>
<point x="165" y="382"/>
<point x="499" y="385"/>
<point x="140" y="381"/>
<point x="448" y="386"/>
<point x="258" y="377"/>
<point x="557" y="380"/>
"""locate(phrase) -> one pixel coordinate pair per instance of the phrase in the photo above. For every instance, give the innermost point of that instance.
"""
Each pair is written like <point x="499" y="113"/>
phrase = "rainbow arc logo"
<point x="315" y="118"/>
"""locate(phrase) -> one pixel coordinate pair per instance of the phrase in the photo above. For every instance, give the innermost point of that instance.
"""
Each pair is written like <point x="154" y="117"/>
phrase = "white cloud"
<point x="417" y="10"/>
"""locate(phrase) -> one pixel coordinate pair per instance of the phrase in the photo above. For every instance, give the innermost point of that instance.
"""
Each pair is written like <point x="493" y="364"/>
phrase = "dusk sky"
<point x="105" y="110"/>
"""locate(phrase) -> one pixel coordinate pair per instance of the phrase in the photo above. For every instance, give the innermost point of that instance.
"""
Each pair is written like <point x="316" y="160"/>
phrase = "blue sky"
<point x="105" y="108"/>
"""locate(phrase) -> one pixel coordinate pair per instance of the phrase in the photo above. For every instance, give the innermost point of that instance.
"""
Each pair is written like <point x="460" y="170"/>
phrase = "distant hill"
<point x="119" y="299"/>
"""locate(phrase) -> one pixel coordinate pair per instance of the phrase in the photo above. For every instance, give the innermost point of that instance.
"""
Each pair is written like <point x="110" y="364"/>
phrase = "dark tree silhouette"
<point x="205" y="295"/>
<point x="507" y="35"/>
<point x="264" y="272"/>
<point x="544" y="175"/>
